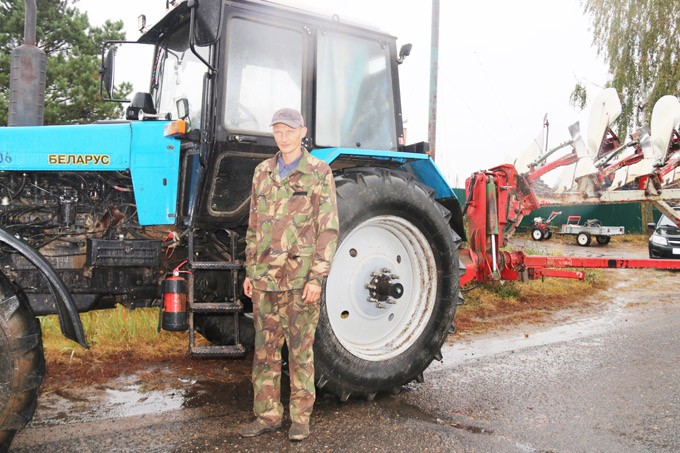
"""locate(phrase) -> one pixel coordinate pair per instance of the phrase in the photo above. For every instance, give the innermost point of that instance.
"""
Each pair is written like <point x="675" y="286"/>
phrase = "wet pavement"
<point x="603" y="380"/>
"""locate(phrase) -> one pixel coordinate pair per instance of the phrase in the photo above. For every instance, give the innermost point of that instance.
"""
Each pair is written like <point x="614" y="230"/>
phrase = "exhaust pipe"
<point x="27" y="76"/>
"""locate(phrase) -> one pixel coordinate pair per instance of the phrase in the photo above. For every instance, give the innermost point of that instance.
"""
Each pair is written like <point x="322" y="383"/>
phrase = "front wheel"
<point x="22" y="364"/>
<point x="393" y="286"/>
<point x="583" y="239"/>
<point x="537" y="234"/>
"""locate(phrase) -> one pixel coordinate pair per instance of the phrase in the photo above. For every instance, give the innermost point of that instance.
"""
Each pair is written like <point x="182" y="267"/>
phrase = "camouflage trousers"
<point x="280" y="316"/>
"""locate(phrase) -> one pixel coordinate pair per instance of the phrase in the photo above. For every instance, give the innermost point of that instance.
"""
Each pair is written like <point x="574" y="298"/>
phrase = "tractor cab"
<point x="226" y="67"/>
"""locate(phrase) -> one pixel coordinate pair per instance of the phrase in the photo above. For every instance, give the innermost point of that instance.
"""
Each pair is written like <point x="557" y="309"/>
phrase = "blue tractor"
<point x="120" y="212"/>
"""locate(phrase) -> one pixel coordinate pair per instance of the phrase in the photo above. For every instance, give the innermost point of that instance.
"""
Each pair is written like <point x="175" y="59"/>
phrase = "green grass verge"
<point x="113" y="331"/>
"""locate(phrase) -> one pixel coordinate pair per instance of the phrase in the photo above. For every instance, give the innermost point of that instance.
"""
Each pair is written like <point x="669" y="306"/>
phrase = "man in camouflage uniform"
<point x="291" y="239"/>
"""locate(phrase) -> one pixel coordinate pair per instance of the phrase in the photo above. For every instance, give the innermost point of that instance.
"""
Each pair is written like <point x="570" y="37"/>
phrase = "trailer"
<point x="592" y="228"/>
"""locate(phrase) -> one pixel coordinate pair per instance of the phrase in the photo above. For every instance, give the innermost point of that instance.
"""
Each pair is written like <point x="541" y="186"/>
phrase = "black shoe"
<point x="257" y="427"/>
<point x="298" y="431"/>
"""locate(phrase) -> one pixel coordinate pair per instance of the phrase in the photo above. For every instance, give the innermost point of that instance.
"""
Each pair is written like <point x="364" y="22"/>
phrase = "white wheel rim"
<point x="537" y="234"/>
<point x="381" y="243"/>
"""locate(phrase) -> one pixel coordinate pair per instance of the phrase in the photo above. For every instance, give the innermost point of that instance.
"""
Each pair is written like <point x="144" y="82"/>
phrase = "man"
<point x="291" y="239"/>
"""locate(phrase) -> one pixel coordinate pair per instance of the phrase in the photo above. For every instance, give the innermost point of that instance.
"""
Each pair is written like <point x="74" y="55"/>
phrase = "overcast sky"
<point x="502" y="66"/>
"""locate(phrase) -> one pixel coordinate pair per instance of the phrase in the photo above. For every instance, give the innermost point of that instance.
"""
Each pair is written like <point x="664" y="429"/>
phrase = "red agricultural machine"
<point x="603" y="170"/>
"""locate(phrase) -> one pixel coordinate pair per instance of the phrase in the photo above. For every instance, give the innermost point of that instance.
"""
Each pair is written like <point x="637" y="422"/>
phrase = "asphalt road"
<point x="604" y="380"/>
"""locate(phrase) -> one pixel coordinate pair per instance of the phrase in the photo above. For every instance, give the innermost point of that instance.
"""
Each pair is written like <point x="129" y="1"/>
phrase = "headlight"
<point x="660" y="240"/>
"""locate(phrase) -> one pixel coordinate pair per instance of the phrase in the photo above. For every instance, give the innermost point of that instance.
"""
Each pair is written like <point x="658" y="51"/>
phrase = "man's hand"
<point x="247" y="287"/>
<point x="311" y="293"/>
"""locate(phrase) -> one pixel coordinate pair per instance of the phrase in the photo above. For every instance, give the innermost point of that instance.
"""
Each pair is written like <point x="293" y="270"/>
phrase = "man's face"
<point x="288" y="139"/>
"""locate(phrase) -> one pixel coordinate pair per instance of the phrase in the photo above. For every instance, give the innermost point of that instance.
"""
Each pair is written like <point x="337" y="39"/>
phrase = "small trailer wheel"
<point x="603" y="240"/>
<point x="584" y="239"/>
<point x="536" y="234"/>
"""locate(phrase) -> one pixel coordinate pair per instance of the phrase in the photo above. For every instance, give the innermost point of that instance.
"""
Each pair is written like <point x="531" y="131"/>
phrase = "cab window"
<point x="264" y="73"/>
<point x="354" y="95"/>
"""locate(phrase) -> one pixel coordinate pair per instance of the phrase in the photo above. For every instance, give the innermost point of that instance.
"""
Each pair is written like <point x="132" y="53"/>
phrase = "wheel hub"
<point x="379" y="293"/>
<point x="383" y="289"/>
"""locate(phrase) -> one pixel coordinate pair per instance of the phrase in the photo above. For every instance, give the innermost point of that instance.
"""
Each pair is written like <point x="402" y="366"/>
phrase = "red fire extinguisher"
<point x="174" y="316"/>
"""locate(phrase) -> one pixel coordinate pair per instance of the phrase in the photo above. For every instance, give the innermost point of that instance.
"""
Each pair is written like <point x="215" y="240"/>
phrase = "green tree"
<point x="640" y="41"/>
<point x="72" y="47"/>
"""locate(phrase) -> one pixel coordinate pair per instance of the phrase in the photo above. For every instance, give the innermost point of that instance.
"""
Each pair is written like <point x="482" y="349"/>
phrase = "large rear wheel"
<point x="22" y="364"/>
<point x="393" y="288"/>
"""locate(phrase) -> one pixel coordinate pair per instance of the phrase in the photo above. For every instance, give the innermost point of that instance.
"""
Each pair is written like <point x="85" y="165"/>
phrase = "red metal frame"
<point x="569" y="159"/>
<point x="499" y="199"/>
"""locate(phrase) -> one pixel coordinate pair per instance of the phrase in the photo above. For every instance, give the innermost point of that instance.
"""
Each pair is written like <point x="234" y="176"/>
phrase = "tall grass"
<point x="497" y="304"/>
<point x="113" y="331"/>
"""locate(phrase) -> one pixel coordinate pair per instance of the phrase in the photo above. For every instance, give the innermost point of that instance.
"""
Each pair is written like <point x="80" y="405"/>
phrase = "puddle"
<point x="400" y="409"/>
<point x="626" y="292"/>
<point x="130" y="396"/>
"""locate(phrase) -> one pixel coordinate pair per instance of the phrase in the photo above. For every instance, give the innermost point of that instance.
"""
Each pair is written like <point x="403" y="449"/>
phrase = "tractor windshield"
<point x="178" y="74"/>
<point x="264" y="73"/>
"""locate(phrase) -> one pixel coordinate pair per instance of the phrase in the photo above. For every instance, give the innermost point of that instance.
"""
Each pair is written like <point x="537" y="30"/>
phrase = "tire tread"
<point x="21" y="339"/>
<point x="346" y="376"/>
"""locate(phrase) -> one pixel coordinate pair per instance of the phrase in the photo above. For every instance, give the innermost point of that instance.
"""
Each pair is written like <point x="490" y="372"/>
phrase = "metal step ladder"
<point x="231" y="307"/>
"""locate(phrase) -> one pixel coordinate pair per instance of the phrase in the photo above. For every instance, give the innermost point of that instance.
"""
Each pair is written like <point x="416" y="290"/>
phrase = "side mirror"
<point x="182" y="108"/>
<point x="206" y="18"/>
<point x="404" y="52"/>
<point x="107" y="71"/>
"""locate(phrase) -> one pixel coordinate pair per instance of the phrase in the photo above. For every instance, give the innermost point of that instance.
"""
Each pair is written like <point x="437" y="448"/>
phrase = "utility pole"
<point x="434" y="69"/>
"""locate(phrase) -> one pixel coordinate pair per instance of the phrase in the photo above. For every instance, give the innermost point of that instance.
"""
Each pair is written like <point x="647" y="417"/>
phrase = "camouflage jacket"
<point x="293" y="226"/>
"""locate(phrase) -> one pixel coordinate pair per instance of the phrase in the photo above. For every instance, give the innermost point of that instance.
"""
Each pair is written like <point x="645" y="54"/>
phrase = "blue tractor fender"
<point x="418" y="164"/>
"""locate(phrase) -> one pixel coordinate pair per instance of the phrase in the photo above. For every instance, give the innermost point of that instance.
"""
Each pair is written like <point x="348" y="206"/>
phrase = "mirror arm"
<point x="192" y="21"/>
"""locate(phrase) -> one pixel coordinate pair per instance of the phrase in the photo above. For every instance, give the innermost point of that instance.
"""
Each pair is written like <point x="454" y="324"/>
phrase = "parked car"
<point x="665" y="241"/>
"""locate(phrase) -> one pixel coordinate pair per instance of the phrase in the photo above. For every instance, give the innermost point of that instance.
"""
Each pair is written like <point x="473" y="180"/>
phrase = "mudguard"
<point x="420" y="165"/>
<point x="69" y="320"/>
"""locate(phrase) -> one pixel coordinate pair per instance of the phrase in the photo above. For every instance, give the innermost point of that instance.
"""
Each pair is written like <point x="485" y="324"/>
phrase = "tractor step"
<point x="216" y="307"/>
<point x="231" y="309"/>
<point x="236" y="350"/>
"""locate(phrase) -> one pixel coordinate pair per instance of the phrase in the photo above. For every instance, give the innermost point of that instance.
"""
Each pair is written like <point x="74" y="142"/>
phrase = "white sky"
<point x="502" y="66"/>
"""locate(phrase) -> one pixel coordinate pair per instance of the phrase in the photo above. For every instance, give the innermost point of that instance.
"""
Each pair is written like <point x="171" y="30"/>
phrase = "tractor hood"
<point x="138" y="147"/>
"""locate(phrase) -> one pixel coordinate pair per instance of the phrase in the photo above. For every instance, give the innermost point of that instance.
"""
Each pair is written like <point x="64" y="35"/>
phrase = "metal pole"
<point x="434" y="68"/>
<point x="27" y="76"/>
<point x="30" y="22"/>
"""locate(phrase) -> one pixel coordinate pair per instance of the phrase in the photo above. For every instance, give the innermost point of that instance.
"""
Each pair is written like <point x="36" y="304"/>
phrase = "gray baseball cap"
<point x="290" y="117"/>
